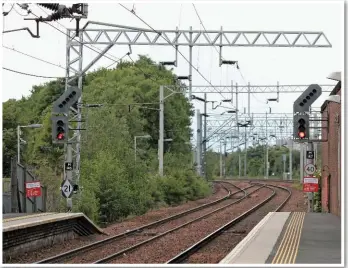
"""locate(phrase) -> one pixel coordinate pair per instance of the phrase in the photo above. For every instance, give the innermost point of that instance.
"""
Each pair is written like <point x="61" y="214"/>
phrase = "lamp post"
<point x="19" y="138"/>
<point x="135" y="144"/>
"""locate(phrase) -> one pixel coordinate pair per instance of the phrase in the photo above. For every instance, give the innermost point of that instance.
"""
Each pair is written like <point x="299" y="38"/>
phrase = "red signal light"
<point x="301" y="134"/>
<point x="60" y="136"/>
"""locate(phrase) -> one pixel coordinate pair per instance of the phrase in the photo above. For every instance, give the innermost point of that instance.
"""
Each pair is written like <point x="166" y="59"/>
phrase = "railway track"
<point x="142" y="233"/>
<point x="163" y="241"/>
<point x="197" y="252"/>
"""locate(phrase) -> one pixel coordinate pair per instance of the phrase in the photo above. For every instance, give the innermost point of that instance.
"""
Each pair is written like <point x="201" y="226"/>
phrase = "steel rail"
<point x="92" y="246"/>
<point x="121" y="252"/>
<point x="191" y="250"/>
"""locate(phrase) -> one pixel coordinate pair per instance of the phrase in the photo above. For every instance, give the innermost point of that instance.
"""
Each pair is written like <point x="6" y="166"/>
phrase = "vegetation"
<point x="113" y="185"/>
<point x="255" y="163"/>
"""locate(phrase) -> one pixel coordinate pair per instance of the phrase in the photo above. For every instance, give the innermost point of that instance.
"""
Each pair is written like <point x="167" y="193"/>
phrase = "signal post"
<point x="60" y="135"/>
<point x="301" y="134"/>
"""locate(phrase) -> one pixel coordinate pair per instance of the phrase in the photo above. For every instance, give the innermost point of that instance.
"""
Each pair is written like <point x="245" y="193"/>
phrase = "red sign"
<point x="310" y="184"/>
<point x="33" y="189"/>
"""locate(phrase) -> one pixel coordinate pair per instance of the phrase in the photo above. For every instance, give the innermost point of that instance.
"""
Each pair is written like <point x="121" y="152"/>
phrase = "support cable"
<point x="30" y="56"/>
<point x="28" y="74"/>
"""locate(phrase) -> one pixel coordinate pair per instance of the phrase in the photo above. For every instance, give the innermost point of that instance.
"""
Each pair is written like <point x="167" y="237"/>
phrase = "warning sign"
<point x="33" y="189"/>
<point x="310" y="184"/>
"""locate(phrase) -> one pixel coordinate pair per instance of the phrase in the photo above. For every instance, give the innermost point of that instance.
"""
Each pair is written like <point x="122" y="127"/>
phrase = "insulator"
<point x="55" y="16"/>
<point x="53" y="7"/>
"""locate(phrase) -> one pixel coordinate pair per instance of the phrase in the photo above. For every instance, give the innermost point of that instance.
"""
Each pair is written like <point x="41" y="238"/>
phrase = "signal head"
<point x="301" y="121"/>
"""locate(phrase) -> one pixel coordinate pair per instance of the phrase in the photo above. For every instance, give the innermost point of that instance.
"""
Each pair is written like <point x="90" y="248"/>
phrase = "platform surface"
<point x="291" y="238"/>
<point x="30" y="220"/>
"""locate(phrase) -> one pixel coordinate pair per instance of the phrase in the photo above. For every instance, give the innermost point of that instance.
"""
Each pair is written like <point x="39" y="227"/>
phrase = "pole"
<point x="69" y="174"/>
<point x="231" y="157"/>
<point x="225" y="157"/>
<point x="290" y="158"/>
<point x="135" y="149"/>
<point x="18" y="145"/>
<point x="190" y="64"/>
<point x="245" y="148"/>
<point x="267" y="171"/>
<point x="239" y="163"/>
<point x="220" y="159"/>
<point x="310" y="195"/>
<point x="205" y="138"/>
<point x="284" y="162"/>
<point x="301" y="162"/>
<point x="161" y="130"/>
<point x="199" y="143"/>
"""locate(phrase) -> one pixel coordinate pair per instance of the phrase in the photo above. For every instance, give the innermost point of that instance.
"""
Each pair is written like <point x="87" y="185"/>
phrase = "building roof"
<point x="335" y="76"/>
<point x="335" y="90"/>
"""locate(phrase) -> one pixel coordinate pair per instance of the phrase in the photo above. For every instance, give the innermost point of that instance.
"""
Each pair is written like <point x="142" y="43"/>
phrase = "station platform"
<point x="290" y="238"/>
<point x="27" y="232"/>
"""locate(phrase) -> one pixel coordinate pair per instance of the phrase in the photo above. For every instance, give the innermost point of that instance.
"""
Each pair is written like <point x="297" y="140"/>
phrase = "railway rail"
<point x="134" y="233"/>
<point x="126" y="251"/>
<point x="139" y="237"/>
<point x="186" y="254"/>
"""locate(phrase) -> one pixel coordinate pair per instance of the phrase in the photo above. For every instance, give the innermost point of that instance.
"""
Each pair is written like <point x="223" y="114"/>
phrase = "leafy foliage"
<point x="255" y="162"/>
<point x="113" y="184"/>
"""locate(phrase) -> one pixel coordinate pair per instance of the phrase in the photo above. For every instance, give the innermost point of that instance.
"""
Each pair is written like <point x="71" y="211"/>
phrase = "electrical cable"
<point x="30" y="56"/>
<point x="28" y="74"/>
<point x="20" y="13"/>
<point x="201" y="22"/>
<point x="8" y="12"/>
<point x="174" y="47"/>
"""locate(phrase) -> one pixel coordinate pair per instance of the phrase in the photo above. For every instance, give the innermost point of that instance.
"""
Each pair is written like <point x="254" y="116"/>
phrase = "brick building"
<point x="331" y="150"/>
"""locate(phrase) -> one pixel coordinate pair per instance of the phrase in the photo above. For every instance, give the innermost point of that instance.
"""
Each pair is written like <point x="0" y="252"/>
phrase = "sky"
<point x="259" y="66"/>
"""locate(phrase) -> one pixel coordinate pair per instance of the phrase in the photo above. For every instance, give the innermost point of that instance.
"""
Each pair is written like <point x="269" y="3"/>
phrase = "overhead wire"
<point x="23" y="15"/>
<point x="201" y="22"/>
<point x="240" y="72"/>
<point x="28" y="74"/>
<point x="30" y="56"/>
<point x="56" y="77"/>
<point x="173" y="46"/>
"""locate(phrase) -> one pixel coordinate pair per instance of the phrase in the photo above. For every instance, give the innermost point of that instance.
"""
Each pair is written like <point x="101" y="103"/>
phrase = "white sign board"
<point x="309" y="169"/>
<point x="67" y="189"/>
<point x="310" y="180"/>
<point x="30" y="185"/>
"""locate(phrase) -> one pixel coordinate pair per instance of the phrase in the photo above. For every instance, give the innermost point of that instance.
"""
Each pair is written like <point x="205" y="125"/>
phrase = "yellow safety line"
<point x="295" y="236"/>
<point x="280" y="248"/>
<point x="288" y="240"/>
<point x="27" y="217"/>
<point x="298" y="240"/>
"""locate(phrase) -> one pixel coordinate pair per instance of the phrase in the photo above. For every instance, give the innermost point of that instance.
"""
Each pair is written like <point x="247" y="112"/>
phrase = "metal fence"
<point x="16" y="201"/>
